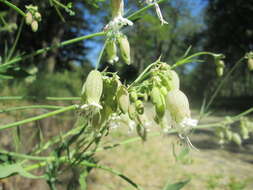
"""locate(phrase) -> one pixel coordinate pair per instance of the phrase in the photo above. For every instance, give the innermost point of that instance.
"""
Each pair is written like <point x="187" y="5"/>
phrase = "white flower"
<point x="116" y="24"/>
<point x="91" y="105"/>
<point x="184" y="127"/>
<point x="158" y="11"/>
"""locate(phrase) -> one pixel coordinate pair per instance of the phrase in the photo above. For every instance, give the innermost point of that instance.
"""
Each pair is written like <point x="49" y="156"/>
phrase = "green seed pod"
<point x="37" y="16"/>
<point x="219" y="71"/>
<point x="34" y="26"/>
<point x="94" y="87"/>
<point x="124" y="48"/>
<point x="158" y="101"/>
<point x="250" y="64"/>
<point x="178" y="105"/>
<point x="28" y="18"/>
<point x="117" y="8"/>
<point x="111" y="50"/>
<point x="139" y="106"/>
<point x="123" y="99"/>
<point x="236" y="139"/>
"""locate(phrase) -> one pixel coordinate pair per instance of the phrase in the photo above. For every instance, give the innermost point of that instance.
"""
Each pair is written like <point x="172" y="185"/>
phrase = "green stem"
<point x="50" y="114"/>
<point x="60" y="4"/>
<point x="30" y="107"/>
<point x="24" y="156"/>
<point x="101" y="54"/>
<point x="142" y="75"/>
<point x="35" y="98"/>
<point x="13" y="7"/>
<point x="68" y="42"/>
<point x="184" y="61"/>
<point x="16" y="40"/>
<point x="132" y="16"/>
<point x="222" y="83"/>
<point x="43" y="50"/>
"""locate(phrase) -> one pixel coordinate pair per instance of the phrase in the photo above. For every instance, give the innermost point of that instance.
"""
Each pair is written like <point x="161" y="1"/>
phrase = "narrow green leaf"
<point x="176" y="186"/>
<point x="7" y="170"/>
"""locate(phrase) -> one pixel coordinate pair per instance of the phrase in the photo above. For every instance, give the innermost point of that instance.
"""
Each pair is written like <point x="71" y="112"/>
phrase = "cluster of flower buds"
<point x="249" y="57"/>
<point x="32" y="17"/>
<point x="235" y="134"/>
<point x="104" y="98"/>
<point x="220" y="65"/>
<point x="167" y="96"/>
<point x="158" y="11"/>
<point x="111" y="49"/>
<point x="115" y="37"/>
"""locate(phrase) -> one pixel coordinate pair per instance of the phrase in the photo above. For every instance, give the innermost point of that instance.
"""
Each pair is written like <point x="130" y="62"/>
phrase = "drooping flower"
<point x="178" y="106"/>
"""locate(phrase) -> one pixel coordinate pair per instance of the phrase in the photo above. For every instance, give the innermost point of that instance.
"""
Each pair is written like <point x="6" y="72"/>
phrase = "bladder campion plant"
<point x="105" y="99"/>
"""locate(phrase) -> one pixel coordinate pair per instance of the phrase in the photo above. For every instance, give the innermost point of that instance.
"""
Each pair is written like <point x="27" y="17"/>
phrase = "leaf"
<point x="7" y="170"/>
<point x="176" y="186"/>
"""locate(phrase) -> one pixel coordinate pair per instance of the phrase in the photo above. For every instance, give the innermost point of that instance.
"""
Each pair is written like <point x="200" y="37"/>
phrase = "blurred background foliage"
<point x="217" y="26"/>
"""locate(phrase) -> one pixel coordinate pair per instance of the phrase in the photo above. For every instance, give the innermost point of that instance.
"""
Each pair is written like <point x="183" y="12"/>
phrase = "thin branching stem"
<point x="71" y="41"/>
<point x="42" y="116"/>
<point x="13" y="7"/>
<point x="30" y="107"/>
<point x="40" y="98"/>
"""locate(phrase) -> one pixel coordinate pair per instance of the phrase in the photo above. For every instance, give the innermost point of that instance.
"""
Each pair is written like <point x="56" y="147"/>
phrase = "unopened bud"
<point x="244" y="133"/>
<point x="37" y="16"/>
<point x="123" y="99"/>
<point x="139" y="106"/>
<point x="111" y="49"/>
<point x="250" y="64"/>
<point x="34" y="26"/>
<point x="28" y="18"/>
<point x="158" y="101"/>
<point x="228" y="135"/>
<point x="94" y="87"/>
<point x="236" y="139"/>
<point x="124" y="48"/>
<point x="133" y="96"/>
<point x="219" y="71"/>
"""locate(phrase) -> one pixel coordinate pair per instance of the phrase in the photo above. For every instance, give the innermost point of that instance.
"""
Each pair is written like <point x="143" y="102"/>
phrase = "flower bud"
<point x="158" y="101"/>
<point x="28" y="18"/>
<point x="178" y="105"/>
<point x="139" y="106"/>
<point x="219" y="71"/>
<point x="164" y="91"/>
<point x="111" y="50"/>
<point x="117" y="8"/>
<point x="132" y="111"/>
<point x="236" y="139"/>
<point x="124" y="48"/>
<point x="37" y="16"/>
<point x="123" y="99"/>
<point x="228" y="135"/>
<point x="133" y="96"/>
<point x="94" y="87"/>
<point x="250" y="64"/>
<point x="34" y="26"/>
<point x="245" y="133"/>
